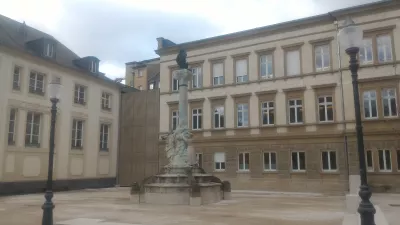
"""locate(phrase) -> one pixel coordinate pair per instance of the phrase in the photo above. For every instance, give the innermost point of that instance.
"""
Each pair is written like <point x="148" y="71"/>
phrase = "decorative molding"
<point x="196" y="100"/>
<point x="172" y="103"/>
<point x="319" y="86"/>
<point x="327" y="39"/>
<point x="265" y="50"/>
<point x="240" y="55"/>
<point x="294" y="45"/>
<point x="241" y="95"/>
<point x="217" y="59"/>
<point x="195" y="62"/>
<point x="270" y="92"/>
<point x="390" y="27"/>
<point x="221" y="97"/>
<point x="294" y="89"/>
<point x="377" y="79"/>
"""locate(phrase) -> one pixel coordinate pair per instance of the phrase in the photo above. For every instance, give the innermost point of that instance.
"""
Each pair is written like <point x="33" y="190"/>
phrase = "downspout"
<point x="119" y="138"/>
<point x="335" y="22"/>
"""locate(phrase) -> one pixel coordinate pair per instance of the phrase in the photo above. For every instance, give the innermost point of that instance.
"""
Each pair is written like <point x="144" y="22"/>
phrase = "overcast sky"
<point x="120" y="31"/>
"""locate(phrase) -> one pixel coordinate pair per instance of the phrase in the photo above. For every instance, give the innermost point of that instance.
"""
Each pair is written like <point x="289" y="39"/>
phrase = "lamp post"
<point x="350" y="37"/>
<point x="54" y="94"/>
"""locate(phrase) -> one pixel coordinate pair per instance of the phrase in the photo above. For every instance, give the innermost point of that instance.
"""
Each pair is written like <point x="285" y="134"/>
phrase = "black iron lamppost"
<point x="350" y="37"/>
<point x="54" y="94"/>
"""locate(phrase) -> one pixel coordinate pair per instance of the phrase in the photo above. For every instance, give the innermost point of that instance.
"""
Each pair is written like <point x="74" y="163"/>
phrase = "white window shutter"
<point x="293" y="63"/>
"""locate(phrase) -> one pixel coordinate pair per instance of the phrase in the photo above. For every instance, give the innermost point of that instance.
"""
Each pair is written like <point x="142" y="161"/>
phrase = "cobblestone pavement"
<point x="113" y="207"/>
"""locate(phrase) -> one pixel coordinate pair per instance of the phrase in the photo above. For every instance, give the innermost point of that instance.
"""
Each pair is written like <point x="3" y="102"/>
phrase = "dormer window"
<point x="93" y="66"/>
<point x="49" y="50"/>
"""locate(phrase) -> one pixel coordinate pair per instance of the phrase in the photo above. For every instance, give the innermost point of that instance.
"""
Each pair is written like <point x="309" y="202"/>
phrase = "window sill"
<point x="243" y="171"/>
<point x="296" y="124"/>
<point x="267" y="126"/>
<point x="241" y="128"/>
<point x="197" y="130"/>
<point x="219" y="171"/>
<point x="270" y="171"/>
<point x="333" y="172"/>
<point x="32" y="145"/>
<point x="77" y="148"/>
<point x="326" y="122"/>
<point x="36" y="93"/>
<point x="298" y="171"/>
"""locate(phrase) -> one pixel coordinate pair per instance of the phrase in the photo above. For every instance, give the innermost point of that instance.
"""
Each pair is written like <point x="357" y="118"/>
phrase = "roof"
<point x="327" y="17"/>
<point x="144" y="62"/>
<point x="15" y="35"/>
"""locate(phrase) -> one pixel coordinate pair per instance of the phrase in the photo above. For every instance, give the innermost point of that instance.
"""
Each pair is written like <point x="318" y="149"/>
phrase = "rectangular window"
<point x="175" y="119"/>
<point x="219" y="117"/>
<point x="298" y="161"/>
<point x="369" y="161"/>
<point x="36" y="83"/>
<point x="385" y="161"/>
<point x="93" y="66"/>
<point x="197" y="81"/>
<point x="293" y="63"/>
<point x="106" y="101"/>
<point x="242" y="115"/>
<point x="33" y="129"/>
<point x="295" y="111"/>
<point x="218" y="74"/>
<point x="244" y="161"/>
<point x="140" y="73"/>
<point x="104" y="134"/>
<point x="175" y="82"/>
<point x="151" y="87"/>
<point x="329" y="162"/>
<point x="199" y="159"/>
<point x="384" y="45"/>
<point x="241" y="71"/>
<point x="77" y="134"/>
<point x="366" y="52"/>
<point x="17" y="78"/>
<point x="11" y="126"/>
<point x="325" y="108"/>
<point x="267" y="113"/>
<point x="266" y="66"/>
<point x="219" y="160"/>
<point x="196" y="119"/>
<point x="322" y="58"/>
<point x="269" y="161"/>
<point x="49" y="51"/>
<point x="370" y="108"/>
<point x="80" y="92"/>
<point x="389" y="102"/>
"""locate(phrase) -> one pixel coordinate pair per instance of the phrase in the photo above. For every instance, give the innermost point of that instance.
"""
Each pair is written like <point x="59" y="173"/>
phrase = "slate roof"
<point x="15" y="35"/>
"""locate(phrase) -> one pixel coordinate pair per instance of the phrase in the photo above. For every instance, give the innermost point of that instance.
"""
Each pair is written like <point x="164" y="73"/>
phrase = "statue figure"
<point x="176" y="149"/>
<point x="181" y="59"/>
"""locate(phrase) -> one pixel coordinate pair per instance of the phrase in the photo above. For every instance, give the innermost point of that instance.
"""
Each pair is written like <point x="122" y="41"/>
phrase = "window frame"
<point x="219" y="117"/>
<point x="239" y="57"/>
<point x="199" y="159"/>
<point x="242" y="111"/>
<point x="325" y="104"/>
<point x="49" y="50"/>
<point x="174" y="81"/>
<point x="296" y="107"/>
<point x="14" y="127"/>
<point x="220" y="163"/>
<point x="374" y="34"/>
<point x="268" y="109"/>
<point x="93" y="66"/>
<point x="102" y="134"/>
<point x="372" y="160"/>
<point x="298" y="161"/>
<point x="289" y="48"/>
<point x="198" y="75"/>
<point x="30" y="144"/>
<point x="35" y="90"/>
<point x="329" y="170"/>
<point x="370" y="104"/>
<point x="260" y="54"/>
<point x="217" y="101"/>
<point x="74" y="134"/>
<point x="214" y="62"/>
<point x="384" y="161"/>
<point x="244" y="161"/>
<point x="106" y="101"/>
<point x="16" y="87"/>
<point x="198" y="117"/>
<point x="77" y="99"/>
<point x="270" y="160"/>
<point x="390" y="107"/>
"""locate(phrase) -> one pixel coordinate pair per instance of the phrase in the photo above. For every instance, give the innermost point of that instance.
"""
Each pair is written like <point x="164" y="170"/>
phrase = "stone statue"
<point x="176" y="148"/>
<point x="181" y="59"/>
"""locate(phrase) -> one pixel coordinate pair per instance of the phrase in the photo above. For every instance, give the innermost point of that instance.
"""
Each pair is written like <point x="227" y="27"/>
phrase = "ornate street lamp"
<point x="350" y="37"/>
<point x="54" y="94"/>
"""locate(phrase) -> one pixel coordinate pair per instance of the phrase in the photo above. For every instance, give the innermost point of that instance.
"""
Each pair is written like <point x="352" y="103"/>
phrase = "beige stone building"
<point x="87" y="119"/>
<point x="272" y="108"/>
<point x="143" y="75"/>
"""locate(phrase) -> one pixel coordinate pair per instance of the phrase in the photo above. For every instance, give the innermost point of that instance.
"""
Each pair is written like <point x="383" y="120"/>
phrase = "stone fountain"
<point x="181" y="181"/>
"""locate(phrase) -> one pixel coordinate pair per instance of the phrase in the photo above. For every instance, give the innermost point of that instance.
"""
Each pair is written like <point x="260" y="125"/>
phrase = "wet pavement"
<point x="113" y="207"/>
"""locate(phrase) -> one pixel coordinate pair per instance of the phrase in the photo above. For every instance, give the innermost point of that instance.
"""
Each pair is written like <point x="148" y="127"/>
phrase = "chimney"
<point x="160" y="42"/>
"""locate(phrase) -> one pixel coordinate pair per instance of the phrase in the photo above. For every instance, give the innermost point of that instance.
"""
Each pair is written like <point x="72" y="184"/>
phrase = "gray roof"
<point x="15" y="35"/>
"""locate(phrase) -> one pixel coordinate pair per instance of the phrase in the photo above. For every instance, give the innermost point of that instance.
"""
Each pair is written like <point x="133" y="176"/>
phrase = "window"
<point x="366" y="53"/>
<point x="298" y="161"/>
<point x="218" y="74"/>
<point x="11" y="126"/>
<point x="32" y="129"/>
<point x="398" y="160"/>
<point x="219" y="117"/>
<point x="389" y="102"/>
<point x="175" y="82"/>
<point x="196" y="119"/>
<point x="325" y="108"/>
<point x="369" y="161"/>
<point x="175" y="119"/>
<point x="80" y="94"/>
<point x="49" y="50"/>
<point x="329" y="162"/>
<point x="269" y="161"/>
<point x="140" y="87"/>
<point x="17" y="78"/>
<point x="266" y="66"/>
<point x="267" y="113"/>
<point x="322" y="58"/>
<point x="385" y="161"/>
<point x="370" y="108"/>
<point x="384" y="45"/>
<point x="77" y="134"/>
<point x="93" y="66"/>
<point x="36" y="83"/>
<point x="140" y="73"/>
<point x="219" y="160"/>
<point x="199" y="159"/>
<point x="242" y="115"/>
<point x="293" y="63"/>
<point x="106" y="101"/>
<point x="295" y="111"/>
<point x="241" y="71"/>
<point x="104" y="132"/>
<point x="151" y="87"/>
<point x="197" y="81"/>
<point x="244" y="161"/>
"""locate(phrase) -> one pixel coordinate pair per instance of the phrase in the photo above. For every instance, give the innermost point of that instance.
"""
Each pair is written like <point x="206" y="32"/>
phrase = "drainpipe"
<point x="336" y="23"/>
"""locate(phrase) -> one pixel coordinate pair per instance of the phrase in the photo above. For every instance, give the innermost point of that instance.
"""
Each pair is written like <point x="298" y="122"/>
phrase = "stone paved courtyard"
<point x="112" y="207"/>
